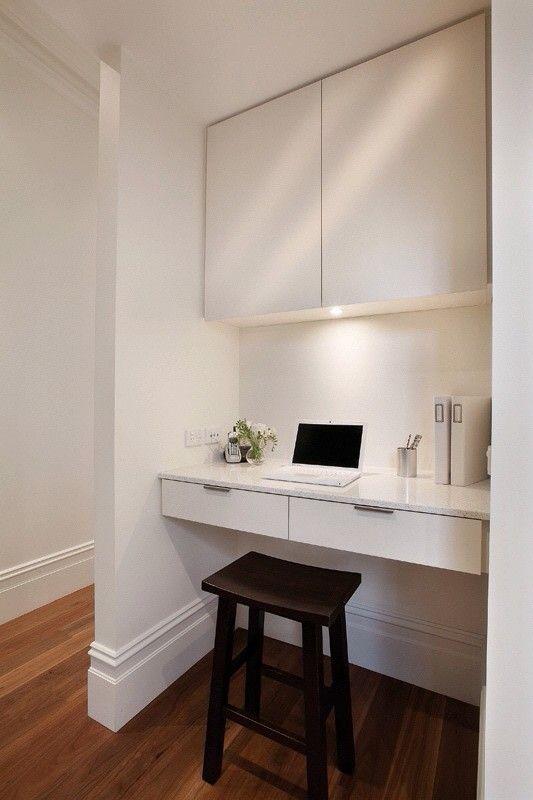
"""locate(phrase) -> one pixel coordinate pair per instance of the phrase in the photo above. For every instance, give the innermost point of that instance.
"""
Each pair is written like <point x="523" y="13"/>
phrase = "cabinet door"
<point x="404" y="163"/>
<point x="263" y="246"/>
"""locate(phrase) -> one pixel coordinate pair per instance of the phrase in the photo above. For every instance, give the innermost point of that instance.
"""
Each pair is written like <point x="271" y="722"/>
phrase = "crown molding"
<point x="37" y="41"/>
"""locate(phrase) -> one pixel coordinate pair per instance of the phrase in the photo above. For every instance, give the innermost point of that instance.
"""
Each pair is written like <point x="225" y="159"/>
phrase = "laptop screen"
<point x="328" y="445"/>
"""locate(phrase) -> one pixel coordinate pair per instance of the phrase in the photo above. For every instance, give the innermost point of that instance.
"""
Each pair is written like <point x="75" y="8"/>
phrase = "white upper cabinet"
<point x="404" y="160"/>
<point x="366" y="190"/>
<point x="263" y="242"/>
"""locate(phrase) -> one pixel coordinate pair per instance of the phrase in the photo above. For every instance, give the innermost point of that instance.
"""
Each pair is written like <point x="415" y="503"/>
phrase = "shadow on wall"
<point x="419" y="624"/>
<point x="160" y="563"/>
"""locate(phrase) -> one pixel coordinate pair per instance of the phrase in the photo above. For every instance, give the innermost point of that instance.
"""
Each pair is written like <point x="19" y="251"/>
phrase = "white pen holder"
<point x="407" y="462"/>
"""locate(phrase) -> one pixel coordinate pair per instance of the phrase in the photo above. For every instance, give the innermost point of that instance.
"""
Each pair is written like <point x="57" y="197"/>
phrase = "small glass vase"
<point x="255" y="456"/>
<point x="244" y="450"/>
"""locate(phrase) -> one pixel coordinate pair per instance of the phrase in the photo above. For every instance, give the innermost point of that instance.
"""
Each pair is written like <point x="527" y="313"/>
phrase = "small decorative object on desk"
<point x="407" y="457"/>
<point x="257" y="436"/>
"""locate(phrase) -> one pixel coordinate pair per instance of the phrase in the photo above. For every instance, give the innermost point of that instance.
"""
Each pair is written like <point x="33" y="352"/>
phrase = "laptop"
<point x="325" y="453"/>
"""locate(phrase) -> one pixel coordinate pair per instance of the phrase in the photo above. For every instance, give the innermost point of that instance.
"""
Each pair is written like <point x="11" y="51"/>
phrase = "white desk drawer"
<point x="434" y="540"/>
<point x="255" y="512"/>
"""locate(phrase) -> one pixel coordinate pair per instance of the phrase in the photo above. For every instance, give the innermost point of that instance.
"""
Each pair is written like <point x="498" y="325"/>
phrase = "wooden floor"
<point x="411" y="744"/>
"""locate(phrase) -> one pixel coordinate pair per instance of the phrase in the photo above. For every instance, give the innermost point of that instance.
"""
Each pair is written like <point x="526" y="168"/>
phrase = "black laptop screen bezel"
<point x="328" y="445"/>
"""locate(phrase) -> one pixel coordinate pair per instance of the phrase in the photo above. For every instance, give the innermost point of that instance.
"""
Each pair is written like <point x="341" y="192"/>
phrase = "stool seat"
<point x="294" y="591"/>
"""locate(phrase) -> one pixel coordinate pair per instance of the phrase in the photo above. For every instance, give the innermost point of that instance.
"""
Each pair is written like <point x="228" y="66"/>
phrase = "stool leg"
<point x="340" y="671"/>
<point x="315" y="721"/>
<point x="220" y="678"/>
<point x="252" y="693"/>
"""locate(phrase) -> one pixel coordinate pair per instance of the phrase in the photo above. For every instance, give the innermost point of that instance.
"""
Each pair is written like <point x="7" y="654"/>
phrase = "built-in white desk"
<point x="406" y="519"/>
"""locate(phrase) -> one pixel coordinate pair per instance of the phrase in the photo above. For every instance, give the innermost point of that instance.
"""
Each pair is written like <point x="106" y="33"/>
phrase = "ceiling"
<point x="222" y="56"/>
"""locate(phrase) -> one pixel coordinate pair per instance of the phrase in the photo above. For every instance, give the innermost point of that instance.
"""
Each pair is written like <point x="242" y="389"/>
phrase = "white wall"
<point x="382" y="370"/>
<point x="423" y="625"/>
<point x="509" y="700"/>
<point x="160" y="369"/>
<point x="48" y="211"/>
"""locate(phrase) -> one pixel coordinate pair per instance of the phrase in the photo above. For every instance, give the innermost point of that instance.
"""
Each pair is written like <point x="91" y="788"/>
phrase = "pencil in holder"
<point x="407" y="462"/>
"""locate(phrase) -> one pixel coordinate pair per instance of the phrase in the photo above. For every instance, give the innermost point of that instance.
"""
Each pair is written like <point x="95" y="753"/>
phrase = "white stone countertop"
<point x="375" y="489"/>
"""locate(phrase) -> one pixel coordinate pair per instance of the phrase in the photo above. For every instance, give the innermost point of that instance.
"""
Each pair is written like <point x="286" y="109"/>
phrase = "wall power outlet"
<point x="194" y="438"/>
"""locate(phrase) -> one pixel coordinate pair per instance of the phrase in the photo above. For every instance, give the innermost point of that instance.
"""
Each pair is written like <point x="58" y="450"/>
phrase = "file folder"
<point x="470" y="439"/>
<point x="442" y="406"/>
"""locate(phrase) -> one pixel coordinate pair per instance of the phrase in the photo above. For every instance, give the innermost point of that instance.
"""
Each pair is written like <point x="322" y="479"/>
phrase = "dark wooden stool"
<point x="314" y="597"/>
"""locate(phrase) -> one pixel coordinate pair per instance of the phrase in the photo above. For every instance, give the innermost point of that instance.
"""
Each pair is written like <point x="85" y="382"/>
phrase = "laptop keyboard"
<point x="318" y="475"/>
<point x="313" y="472"/>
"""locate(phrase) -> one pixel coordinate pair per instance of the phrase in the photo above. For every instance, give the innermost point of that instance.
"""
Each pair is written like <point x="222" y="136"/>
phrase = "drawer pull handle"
<point x="374" y="508"/>
<point x="217" y="488"/>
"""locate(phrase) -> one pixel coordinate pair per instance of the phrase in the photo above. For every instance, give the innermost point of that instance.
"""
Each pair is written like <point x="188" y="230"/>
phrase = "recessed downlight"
<point x="335" y="311"/>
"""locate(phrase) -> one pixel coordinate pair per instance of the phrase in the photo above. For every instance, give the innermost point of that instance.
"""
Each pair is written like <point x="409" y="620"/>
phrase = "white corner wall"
<point x="509" y="700"/>
<point x="48" y="211"/>
<point x="160" y="369"/>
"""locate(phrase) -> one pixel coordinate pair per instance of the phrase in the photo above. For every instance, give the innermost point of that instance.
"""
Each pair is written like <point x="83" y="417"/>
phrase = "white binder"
<point x="442" y="407"/>
<point x="470" y="439"/>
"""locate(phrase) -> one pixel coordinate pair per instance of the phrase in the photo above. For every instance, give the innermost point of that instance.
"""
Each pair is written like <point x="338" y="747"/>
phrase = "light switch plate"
<point x="212" y="435"/>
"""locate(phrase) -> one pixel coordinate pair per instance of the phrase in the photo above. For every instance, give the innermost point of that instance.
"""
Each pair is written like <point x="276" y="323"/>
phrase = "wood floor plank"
<point x="44" y="661"/>
<point x="51" y="750"/>
<point x="118" y="764"/>
<point x="19" y="650"/>
<point x="410" y="744"/>
<point x="458" y="749"/>
<point x="417" y="747"/>
<point x="73" y="605"/>
<point x="25" y="707"/>
<point x="98" y="770"/>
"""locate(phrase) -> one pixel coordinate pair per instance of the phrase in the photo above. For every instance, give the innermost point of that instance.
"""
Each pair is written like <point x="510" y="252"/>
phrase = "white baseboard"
<point x="32" y="584"/>
<point x="441" y="659"/>
<point x="122" y="682"/>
